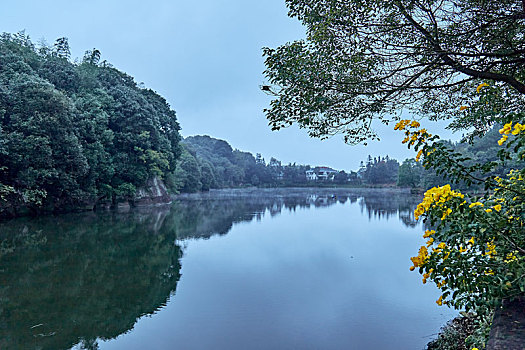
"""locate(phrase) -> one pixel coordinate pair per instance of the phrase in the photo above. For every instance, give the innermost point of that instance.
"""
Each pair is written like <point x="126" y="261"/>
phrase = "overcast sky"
<point x="205" y="58"/>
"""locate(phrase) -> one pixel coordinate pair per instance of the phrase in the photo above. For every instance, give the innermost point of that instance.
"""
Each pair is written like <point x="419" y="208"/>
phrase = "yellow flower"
<point x="462" y="108"/>
<point x="428" y="233"/>
<point x="475" y="204"/>
<point x="506" y="129"/>
<point x="415" y="124"/>
<point x="518" y="128"/>
<point x="440" y="301"/>
<point x="497" y="207"/>
<point x="436" y="197"/>
<point x="491" y="249"/>
<point x="419" y="154"/>
<point x="488" y="210"/>
<point x="421" y="258"/>
<point x="480" y="86"/>
<point x="402" y="124"/>
<point x="471" y="240"/>
<point x="502" y="140"/>
<point x="446" y="213"/>
<point x="510" y="258"/>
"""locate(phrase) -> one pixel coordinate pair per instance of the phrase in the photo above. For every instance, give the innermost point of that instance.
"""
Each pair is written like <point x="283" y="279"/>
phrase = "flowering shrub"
<point x="475" y="253"/>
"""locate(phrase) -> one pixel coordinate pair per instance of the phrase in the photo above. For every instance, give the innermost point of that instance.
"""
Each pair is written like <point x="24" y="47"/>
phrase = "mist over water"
<point x="240" y="269"/>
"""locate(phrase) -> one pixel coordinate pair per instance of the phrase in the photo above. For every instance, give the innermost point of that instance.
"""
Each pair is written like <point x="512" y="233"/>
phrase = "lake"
<point x="237" y="269"/>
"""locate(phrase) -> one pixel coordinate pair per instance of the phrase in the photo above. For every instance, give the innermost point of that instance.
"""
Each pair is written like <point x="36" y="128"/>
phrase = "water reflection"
<point x="215" y="212"/>
<point x="75" y="279"/>
<point x="78" y="278"/>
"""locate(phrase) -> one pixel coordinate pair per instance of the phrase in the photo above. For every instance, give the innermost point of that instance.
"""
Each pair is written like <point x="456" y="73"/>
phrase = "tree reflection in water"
<point x="85" y="277"/>
<point x="73" y="279"/>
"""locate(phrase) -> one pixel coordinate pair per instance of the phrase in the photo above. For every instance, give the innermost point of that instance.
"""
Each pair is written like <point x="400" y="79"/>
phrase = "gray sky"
<point x="205" y="58"/>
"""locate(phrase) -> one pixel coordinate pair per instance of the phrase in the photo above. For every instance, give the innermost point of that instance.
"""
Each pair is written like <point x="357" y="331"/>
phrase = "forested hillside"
<point x="481" y="149"/>
<point x="207" y="163"/>
<point x="76" y="133"/>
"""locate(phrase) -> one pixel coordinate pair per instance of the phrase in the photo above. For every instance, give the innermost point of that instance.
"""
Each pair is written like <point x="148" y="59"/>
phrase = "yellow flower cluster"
<point x="436" y="196"/>
<point x="412" y="136"/>
<point x="511" y="257"/>
<point x="429" y="233"/>
<point x="421" y="259"/>
<point x="512" y="175"/>
<point x="402" y="124"/>
<point x="507" y="129"/>
<point x="475" y="204"/>
<point x="491" y="246"/>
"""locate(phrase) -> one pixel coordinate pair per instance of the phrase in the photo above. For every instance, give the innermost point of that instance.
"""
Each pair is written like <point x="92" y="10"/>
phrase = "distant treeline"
<point x="208" y="163"/>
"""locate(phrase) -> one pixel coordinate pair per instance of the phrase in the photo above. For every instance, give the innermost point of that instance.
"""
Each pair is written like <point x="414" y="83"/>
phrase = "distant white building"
<point x="321" y="173"/>
<point x="311" y="175"/>
<point x="325" y="173"/>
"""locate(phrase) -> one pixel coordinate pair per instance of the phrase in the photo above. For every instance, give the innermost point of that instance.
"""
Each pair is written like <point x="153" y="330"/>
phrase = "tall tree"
<point x="366" y="59"/>
<point x="61" y="48"/>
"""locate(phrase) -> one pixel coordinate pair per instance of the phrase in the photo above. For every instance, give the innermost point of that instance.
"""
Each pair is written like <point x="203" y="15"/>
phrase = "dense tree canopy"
<point x="76" y="133"/>
<point x="365" y="59"/>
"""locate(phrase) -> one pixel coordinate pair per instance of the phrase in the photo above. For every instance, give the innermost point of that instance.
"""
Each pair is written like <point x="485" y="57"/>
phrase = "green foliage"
<point x="367" y="59"/>
<point x="475" y="251"/>
<point x="464" y="332"/>
<point x="480" y="150"/>
<point x="190" y="173"/>
<point x="381" y="170"/>
<point x="409" y="174"/>
<point x="76" y="133"/>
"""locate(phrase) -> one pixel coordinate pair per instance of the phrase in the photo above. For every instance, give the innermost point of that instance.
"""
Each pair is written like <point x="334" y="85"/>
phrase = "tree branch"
<point x="520" y="87"/>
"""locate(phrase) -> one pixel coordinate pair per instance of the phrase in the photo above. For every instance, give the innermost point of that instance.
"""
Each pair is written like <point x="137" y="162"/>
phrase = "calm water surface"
<point x="252" y="269"/>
